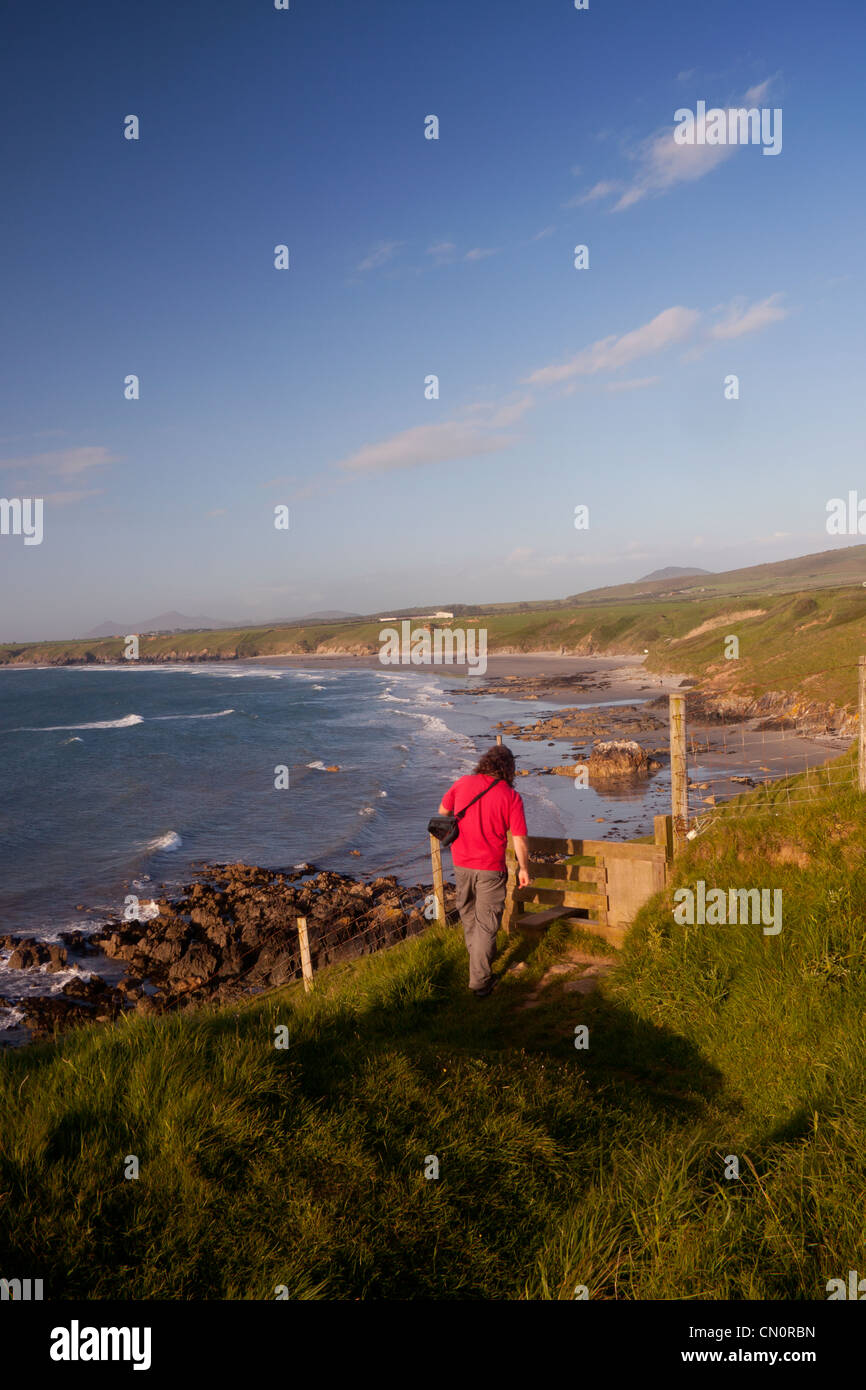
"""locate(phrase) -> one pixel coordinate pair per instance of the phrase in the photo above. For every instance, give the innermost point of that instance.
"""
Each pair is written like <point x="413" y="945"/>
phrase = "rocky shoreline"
<point x="777" y="710"/>
<point x="229" y="935"/>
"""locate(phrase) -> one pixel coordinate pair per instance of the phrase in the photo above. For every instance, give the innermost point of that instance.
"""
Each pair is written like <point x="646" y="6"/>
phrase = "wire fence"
<point x="788" y="776"/>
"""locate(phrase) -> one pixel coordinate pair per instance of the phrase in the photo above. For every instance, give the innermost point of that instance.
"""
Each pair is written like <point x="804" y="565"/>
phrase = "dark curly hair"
<point x="498" y="762"/>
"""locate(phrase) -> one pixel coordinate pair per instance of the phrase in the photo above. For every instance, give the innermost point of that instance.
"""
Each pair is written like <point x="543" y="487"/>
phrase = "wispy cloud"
<point x="480" y="253"/>
<point x="442" y="252"/>
<point x="670" y="327"/>
<point x="545" y="231"/>
<point x="760" y="91"/>
<point x="63" y="463"/>
<point x="381" y="252"/>
<point x="609" y="354"/>
<point x="741" y="318"/>
<point x="660" y="163"/>
<point x="475" y="434"/>
<point x="603" y="189"/>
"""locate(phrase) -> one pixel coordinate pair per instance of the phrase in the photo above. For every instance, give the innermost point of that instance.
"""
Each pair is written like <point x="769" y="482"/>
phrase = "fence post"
<point x="306" y="963"/>
<point x="862" y="692"/>
<point x="679" y="772"/>
<point x="499" y="739"/>
<point x="509" y="914"/>
<point x="438" y="882"/>
<point x="664" y="836"/>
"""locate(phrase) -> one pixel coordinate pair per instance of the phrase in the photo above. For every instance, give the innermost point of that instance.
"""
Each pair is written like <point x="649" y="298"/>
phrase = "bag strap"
<point x="461" y="814"/>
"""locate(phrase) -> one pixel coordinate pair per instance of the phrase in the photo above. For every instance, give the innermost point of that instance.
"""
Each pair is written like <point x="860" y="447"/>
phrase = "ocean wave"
<point x="367" y="811"/>
<point x="218" y="715"/>
<point x="381" y="793"/>
<point x="432" y="724"/>
<point x="10" y="1017"/>
<point x="393" y="699"/>
<point x="74" y="739"/>
<point x="170" y="840"/>
<point x="318" y="765"/>
<point x="125" y="723"/>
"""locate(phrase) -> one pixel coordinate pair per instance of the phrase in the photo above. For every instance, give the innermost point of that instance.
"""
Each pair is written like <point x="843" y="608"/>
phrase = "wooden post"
<point x="862" y="691"/>
<point x="306" y="963"/>
<point x="499" y="739"/>
<point x="509" y="914"/>
<point x="438" y="881"/>
<point x="664" y="836"/>
<point x="679" y="771"/>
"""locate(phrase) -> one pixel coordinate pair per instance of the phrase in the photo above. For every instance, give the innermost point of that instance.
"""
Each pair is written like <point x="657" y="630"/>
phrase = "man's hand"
<point x="521" y="850"/>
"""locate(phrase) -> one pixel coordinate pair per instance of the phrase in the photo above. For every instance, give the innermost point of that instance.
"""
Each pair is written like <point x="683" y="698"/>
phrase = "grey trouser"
<point x="480" y="900"/>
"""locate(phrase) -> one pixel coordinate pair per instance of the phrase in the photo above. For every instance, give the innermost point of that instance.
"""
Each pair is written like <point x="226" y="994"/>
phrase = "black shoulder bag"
<point x="446" y="828"/>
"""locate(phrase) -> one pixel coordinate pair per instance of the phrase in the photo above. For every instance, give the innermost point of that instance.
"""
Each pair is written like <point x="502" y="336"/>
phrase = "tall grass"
<point x="304" y="1167"/>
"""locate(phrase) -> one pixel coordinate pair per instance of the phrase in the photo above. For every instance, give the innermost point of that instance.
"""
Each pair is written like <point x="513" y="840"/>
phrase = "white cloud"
<point x="662" y="163"/>
<point x="442" y="252"/>
<point x="609" y="354"/>
<point x="603" y="189"/>
<point x="545" y="231"/>
<point x="381" y="252"/>
<point x="453" y="439"/>
<point x="757" y="93"/>
<point x="64" y="463"/>
<point x="479" y="253"/>
<point x="741" y="318"/>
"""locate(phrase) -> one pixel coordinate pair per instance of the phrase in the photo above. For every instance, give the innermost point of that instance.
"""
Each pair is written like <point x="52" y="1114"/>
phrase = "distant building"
<point x="420" y="617"/>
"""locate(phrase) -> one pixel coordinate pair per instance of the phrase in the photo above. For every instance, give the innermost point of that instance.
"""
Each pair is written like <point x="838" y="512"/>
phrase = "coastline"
<point x="554" y="700"/>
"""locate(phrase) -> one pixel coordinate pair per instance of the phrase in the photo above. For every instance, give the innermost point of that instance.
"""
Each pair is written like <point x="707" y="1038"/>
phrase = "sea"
<point x="119" y="780"/>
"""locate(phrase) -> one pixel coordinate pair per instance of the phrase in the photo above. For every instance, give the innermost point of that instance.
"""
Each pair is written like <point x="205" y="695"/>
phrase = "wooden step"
<point x="544" y="919"/>
<point x="535" y="921"/>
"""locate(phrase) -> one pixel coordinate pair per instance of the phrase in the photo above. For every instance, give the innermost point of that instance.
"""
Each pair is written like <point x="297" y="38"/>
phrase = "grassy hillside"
<point x="826" y="568"/>
<point x="604" y="1167"/>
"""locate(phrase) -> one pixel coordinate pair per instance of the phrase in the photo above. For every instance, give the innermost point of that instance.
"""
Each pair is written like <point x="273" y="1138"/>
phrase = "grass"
<point x="558" y="1167"/>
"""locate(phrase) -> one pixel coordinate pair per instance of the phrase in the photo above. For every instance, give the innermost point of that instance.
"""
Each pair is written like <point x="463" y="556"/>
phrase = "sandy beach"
<point x="545" y="676"/>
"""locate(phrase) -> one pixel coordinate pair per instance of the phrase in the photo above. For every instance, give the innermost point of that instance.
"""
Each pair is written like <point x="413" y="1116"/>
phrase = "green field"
<point x="304" y="1168"/>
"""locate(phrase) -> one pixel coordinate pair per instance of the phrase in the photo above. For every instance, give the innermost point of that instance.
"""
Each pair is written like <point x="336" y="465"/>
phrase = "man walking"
<point x="479" y="856"/>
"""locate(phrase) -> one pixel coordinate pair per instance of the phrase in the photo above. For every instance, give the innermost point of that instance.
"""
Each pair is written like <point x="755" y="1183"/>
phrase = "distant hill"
<point x="182" y="622"/>
<point x="672" y="572"/>
<point x="163" y="622"/>
<point x="824" y="569"/>
<point x="326" y="615"/>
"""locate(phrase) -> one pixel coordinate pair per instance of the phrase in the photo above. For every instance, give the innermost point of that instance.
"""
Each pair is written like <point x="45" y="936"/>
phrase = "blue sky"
<point x="411" y="257"/>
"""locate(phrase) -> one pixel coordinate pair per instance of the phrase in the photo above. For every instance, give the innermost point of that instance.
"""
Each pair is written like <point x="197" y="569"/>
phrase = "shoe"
<point x="486" y="991"/>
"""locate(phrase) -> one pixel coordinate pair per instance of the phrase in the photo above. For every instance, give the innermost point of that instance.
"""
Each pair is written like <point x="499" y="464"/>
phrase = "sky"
<point x="410" y="257"/>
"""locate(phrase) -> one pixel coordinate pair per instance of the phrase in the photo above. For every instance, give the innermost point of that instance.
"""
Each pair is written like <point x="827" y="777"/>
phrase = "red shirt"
<point x="484" y="828"/>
